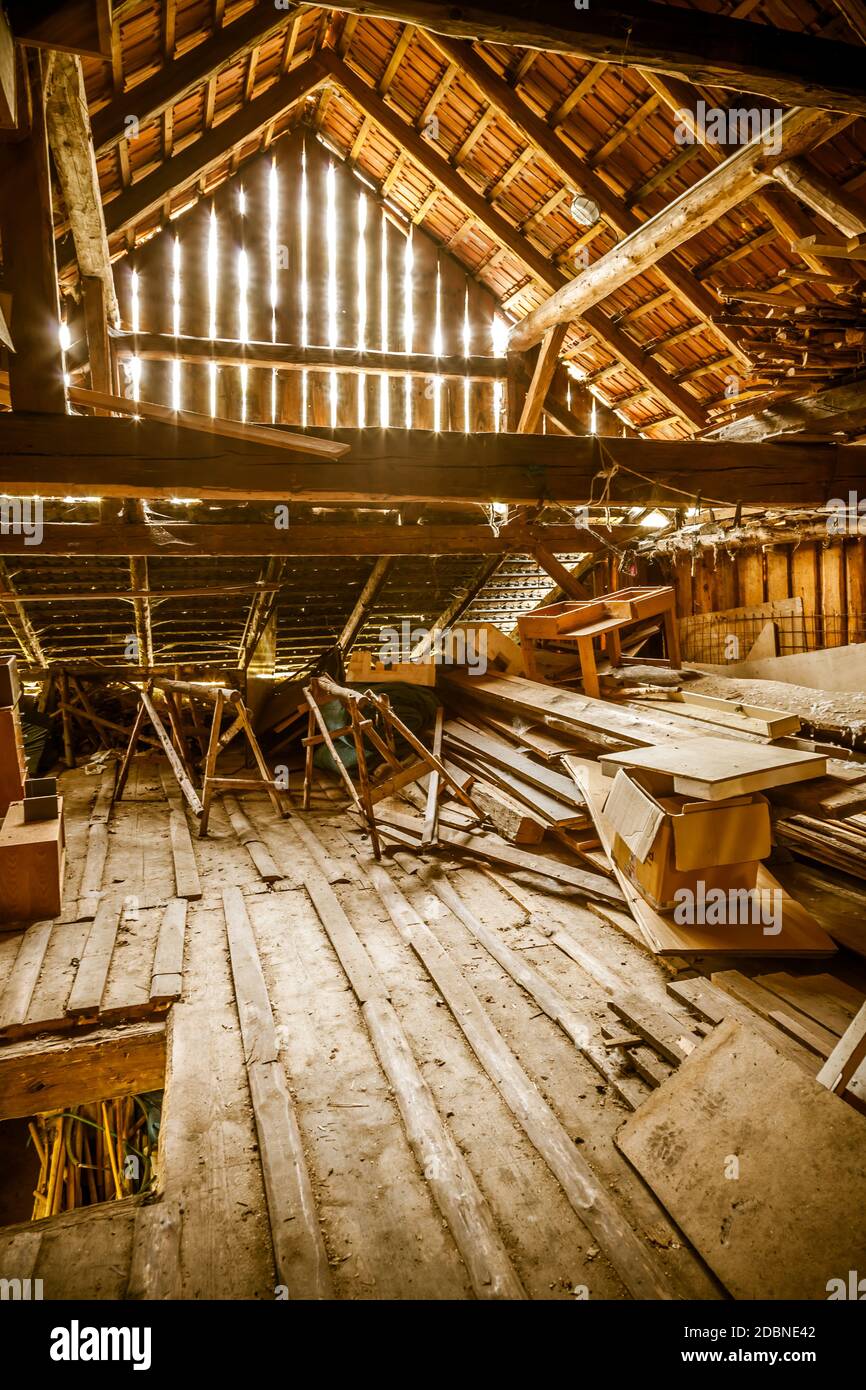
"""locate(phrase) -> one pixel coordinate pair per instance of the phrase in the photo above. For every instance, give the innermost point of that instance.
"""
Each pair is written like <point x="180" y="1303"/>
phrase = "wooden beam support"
<point x="50" y="456"/>
<point x="560" y="574"/>
<point x="841" y="409"/>
<point x="187" y="540"/>
<point x="782" y="211"/>
<point x="164" y="347"/>
<point x="68" y="123"/>
<point x="437" y="167"/>
<point x="16" y="616"/>
<point x="365" y="599"/>
<point x="29" y="267"/>
<point x="706" y="49"/>
<point x="822" y="195"/>
<point x="542" y="376"/>
<point x="742" y="174"/>
<point x="458" y="605"/>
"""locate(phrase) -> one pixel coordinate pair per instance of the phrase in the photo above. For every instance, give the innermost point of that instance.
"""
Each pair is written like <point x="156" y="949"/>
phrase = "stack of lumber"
<point x="513" y="737"/>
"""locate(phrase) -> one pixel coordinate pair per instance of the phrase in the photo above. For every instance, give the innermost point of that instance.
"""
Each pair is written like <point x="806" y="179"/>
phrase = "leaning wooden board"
<point x="714" y="768"/>
<point x="794" y="1217"/>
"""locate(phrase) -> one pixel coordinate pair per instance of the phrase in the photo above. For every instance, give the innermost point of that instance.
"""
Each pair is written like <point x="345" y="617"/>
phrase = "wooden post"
<point x="29" y="265"/>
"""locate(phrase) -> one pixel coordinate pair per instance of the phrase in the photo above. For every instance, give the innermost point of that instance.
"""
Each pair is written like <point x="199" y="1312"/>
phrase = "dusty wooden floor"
<point x="210" y="1234"/>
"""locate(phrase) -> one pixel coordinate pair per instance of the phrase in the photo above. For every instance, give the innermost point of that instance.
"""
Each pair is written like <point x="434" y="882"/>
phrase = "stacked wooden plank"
<point x="514" y="734"/>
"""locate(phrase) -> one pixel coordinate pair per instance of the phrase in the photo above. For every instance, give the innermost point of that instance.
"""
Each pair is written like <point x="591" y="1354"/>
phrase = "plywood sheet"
<point x="795" y="1216"/>
<point x="714" y="768"/>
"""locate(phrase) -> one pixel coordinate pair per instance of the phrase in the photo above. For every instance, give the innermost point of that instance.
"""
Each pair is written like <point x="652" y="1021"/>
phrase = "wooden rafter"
<point x="175" y="80"/>
<point x="364" y="602"/>
<point x="741" y="175"/>
<point x="473" y="202"/>
<point x="793" y="69"/>
<point x="575" y="172"/>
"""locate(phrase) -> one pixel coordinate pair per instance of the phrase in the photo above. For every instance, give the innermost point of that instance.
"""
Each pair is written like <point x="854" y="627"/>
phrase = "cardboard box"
<point x="663" y="843"/>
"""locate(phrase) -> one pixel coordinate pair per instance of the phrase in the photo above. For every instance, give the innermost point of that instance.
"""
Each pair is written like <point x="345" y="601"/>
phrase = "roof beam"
<point x="376" y="539"/>
<point x="175" y="80"/>
<point x="538" y="261"/>
<point x="542" y="376"/>
<point x="742" y="174"/>
<point x="711" y="50"/>
<point x="783" y="212"/>
<point x="60" y="455"/>
<point x="832" y="202"/>
<point x="68" y="123"/>
<point x="367" y="597"/>
<point x="16" y="616"/>
<point x="574" y="171"/>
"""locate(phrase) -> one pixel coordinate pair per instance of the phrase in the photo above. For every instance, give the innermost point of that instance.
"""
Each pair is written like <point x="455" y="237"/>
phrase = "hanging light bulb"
<point x="584" y="210"/>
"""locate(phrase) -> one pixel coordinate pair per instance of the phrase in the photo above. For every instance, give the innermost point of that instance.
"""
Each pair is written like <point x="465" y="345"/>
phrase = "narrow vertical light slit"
<point x="408" y="320"/>
<point x="243" y="321"/>
<point x="437" y="348"/>
<point x="135" y="363"/>
<point x="274" y="217"/>
<point x="176" y="365"/>
<point x="361" y="269"/>
<point x="212" y="287"/>
<point x="305" y="383"/>
<point x="384" y="382"/>
<point x="331" y="234"/>
<point x="467" y="348"/>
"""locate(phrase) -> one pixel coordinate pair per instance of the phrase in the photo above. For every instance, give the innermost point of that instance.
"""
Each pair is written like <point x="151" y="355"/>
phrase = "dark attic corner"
<point x="432" y="657"/>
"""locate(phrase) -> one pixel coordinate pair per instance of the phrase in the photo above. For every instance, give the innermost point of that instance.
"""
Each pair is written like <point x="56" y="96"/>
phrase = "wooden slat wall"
<point x="829" y="578"/>
<point x="295" y="397"/>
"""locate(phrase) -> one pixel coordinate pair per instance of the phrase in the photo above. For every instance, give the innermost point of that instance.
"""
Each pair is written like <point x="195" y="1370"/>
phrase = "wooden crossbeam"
<point x="189" y="539"/>
<point x="57" y="456"/>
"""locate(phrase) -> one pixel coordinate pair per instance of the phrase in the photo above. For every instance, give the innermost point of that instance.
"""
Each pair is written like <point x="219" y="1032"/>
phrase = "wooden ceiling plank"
<point x="177" y="79"/>
<point x="195" y="159"/>
<point x="368" y="538"/>
<point x="705" y="49"/>
<point x="574" y="171"/>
